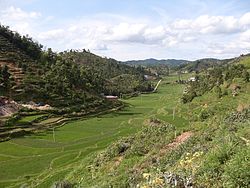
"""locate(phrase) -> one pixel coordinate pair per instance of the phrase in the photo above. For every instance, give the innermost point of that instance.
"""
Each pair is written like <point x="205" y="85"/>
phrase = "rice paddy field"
<point x="41" y="159"/>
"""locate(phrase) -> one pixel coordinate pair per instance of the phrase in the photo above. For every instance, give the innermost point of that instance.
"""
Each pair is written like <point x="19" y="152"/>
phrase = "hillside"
<point x="15" y="57"/>
<point x="54" y="78"/>
<point x="203" y="142"/>
<point x="203" y="64"/>
<point x="105" y="70"/>
<point x="65" y="85"/>
<point x="243" y="59"/>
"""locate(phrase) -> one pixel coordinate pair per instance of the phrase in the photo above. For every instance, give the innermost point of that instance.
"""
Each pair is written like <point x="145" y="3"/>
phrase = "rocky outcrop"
<point x="8" y="106"/>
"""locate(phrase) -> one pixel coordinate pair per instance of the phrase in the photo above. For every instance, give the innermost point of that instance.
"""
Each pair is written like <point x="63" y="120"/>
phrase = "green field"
<point x="44" y="158"/>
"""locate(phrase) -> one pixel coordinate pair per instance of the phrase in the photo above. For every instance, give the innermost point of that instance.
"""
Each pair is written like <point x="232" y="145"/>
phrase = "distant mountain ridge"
<point x="181" y="64"/>
<point x="152" y="61"/>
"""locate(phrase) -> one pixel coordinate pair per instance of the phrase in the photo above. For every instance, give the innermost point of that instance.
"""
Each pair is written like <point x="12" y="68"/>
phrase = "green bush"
<point x="188" y="97"/>
<point x="217" y="91"/>
<point x="237" y="172"/>
<point x="12" y="120"/>
<point x="212" y="169"/>
<point x="224" y="91"/>
<point x="204" y="114"/>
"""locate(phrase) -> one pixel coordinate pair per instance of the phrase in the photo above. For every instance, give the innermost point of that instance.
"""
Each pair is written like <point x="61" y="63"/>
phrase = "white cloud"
<point x="106" y="33"/>
<point x="95" y="45"/>
<point x="245" y="19"/>
<point x="234" y="47"/>
<point x="19" y="20"/>
<point x="245" y="36"/>
<point x="155" y="34"/>
<point x="52" y="34"/>
<point x="16" y="14"/>
<point x="206" y="24"/>
<point x="127" y="32"/>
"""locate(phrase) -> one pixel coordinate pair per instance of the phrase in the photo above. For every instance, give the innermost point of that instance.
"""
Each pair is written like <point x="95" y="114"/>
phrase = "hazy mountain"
<point x="197" y="65"/>
<point x="152" y="61"/>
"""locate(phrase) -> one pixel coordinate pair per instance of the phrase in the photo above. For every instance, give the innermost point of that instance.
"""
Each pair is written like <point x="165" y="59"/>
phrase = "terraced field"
<point x="41" y="159"/>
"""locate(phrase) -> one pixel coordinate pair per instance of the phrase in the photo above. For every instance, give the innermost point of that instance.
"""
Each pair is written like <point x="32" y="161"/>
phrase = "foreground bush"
<point x="237" y="173"/>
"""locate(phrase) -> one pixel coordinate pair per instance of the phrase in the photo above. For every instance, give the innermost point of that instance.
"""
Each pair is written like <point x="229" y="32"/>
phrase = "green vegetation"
<point x="4" y="78"/>
<point x="154" y="62"/>
<point x="244" y="60"/>
<point x="73" y="82"/>
<point x="76" y="140"/>
<point x="214" y="79"/>
<point x="204" y="64"/>
<point x="31" y="118"/>
<point x="60" y="79"/>
<point x="217" y="149"/>
<point x="190" y="132"/>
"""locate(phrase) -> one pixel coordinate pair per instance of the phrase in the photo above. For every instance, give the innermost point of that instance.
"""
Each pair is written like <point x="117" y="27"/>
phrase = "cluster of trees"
<point x="159" y="69"/>
<point x="237" y="71"/>
<point x="125" y="84"/>
<point x="26" y="43"/>
<point x="4" y="78"/>
<point x="212" y="79"/>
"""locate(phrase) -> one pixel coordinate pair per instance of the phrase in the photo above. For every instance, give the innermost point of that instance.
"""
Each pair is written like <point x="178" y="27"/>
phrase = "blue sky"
<point x="135" y="29"/>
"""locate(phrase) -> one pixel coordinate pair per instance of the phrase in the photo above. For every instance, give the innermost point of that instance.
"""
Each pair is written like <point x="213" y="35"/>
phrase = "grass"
<point x="28" y="119"/>
<point x="216" y="155"/>
<point x="50" y="120"/>
<point x="39" y="160"/>
<point x="245" y="61"/>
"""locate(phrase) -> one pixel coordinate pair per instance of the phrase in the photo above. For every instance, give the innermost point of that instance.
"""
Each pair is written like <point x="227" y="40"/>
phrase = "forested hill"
<point x="109" y="75"/>
<point x="28" y="73"/>
<point x="203" y="64"/>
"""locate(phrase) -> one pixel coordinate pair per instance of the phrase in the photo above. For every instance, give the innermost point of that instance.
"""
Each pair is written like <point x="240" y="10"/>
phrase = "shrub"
<point x="188" y="97"/>
<point x="12" y="120"/>
<point x="204" y="114"/>
<point x="212" y="168"/>
<point x="116" y="149"/>
<point x="224" y="91"/>
<point x="217" y="91"/>
<point x="237" y="173"/>
<point x="246" y="76"/>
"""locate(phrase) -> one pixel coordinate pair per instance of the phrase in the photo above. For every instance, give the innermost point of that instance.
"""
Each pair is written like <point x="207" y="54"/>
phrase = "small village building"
<point x="149" y="77"/>
<point x="111" y="97"/>
<point x="192" y="79"/>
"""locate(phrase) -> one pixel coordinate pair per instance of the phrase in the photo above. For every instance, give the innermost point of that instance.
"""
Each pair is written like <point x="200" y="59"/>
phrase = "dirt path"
<point x="177" y="141"/>
<point x="169" y="147"/>
<point x="156" y="86"/>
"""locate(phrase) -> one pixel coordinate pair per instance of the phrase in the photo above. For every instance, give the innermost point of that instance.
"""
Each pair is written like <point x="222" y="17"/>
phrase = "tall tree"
<point x="5" y="76"/>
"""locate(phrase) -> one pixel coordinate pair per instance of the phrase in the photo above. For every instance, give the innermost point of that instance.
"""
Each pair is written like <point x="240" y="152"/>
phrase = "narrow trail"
<point x="156" y="86"/>
<point x="176" y="142"/>
<point x="181" y="139"/>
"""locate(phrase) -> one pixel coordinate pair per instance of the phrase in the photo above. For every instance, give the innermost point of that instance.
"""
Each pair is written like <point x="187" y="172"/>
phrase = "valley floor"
<point x="40" y="160"/>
